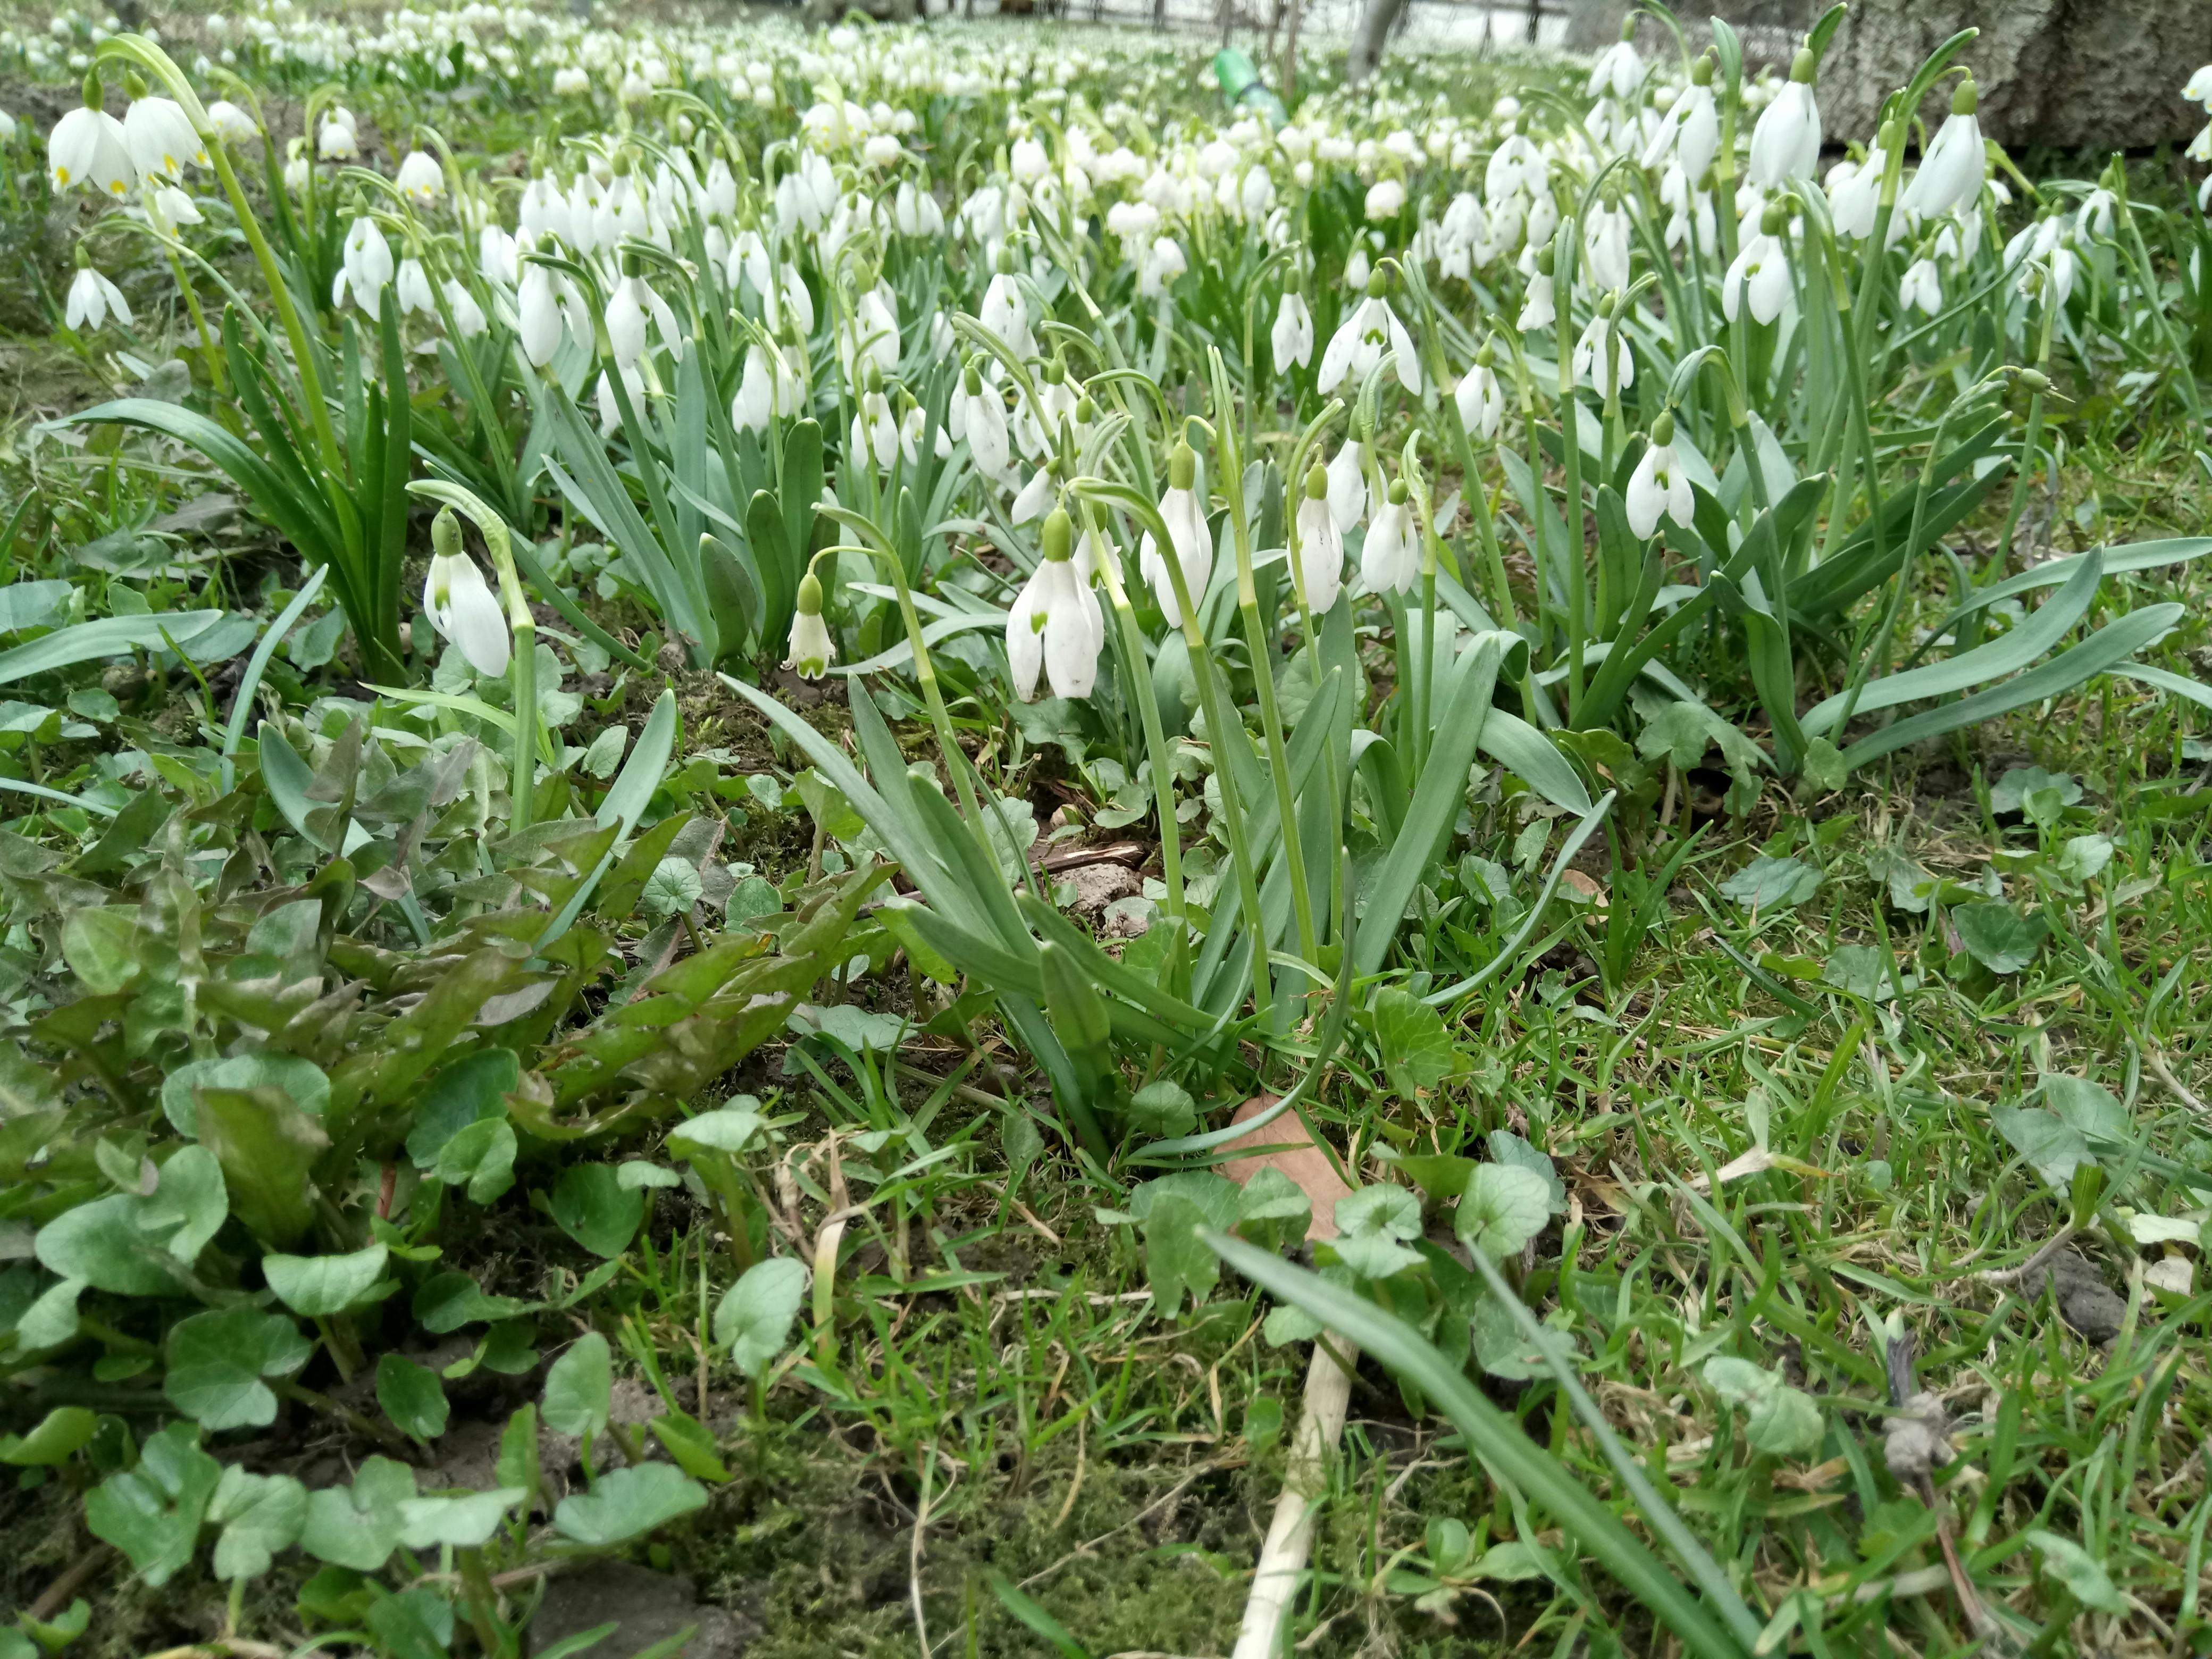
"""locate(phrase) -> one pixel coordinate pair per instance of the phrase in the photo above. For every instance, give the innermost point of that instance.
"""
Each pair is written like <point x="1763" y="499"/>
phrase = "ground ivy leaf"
<point x="152" y="1513"/>
<point x="451" y="1299"/>
<point x="626" y="1504"/>
<point x="482" y="1156"/>
<point x="1771" y="884"/>
<point x="260" y="1514"/>
<point x="1176" y="1259"/>
<point x="580" y="1383"/>
<point x="1506" y="1206"/>
<point x="216" y="1362"/>
<point x="671" y="889"/>
<point x="1371" y="1225"/>
<point x="464" y="1522"/>
<point x="1417" y="1048"/>
<point x="1508" y="1148"/>
<point x="753" y="1319"/>
<point x="317" y="1286"/>
<point x="592" y="1207"/>
<point x="412" y="1397"/>
<point x="1998" y="937"/>
<point x="359" y="1527"/>
<point x="691" y="1444"/>
<point x="467" y="1092"/>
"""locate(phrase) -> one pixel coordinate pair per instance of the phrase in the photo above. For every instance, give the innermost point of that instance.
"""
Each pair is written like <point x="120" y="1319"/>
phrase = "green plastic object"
<point x="1242" y="86"/>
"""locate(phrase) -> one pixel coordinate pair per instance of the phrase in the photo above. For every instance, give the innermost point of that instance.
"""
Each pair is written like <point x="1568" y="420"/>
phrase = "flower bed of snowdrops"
<point x="848" y="657"/>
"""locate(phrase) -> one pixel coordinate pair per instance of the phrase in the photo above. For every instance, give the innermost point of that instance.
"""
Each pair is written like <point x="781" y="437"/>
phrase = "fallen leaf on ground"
<point x="1304" y="1162"/>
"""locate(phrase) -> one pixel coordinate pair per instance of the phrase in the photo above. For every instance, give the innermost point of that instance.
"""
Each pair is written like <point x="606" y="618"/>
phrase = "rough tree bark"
<point x="1376" y="19"/>
<point x="2097" y="74"/>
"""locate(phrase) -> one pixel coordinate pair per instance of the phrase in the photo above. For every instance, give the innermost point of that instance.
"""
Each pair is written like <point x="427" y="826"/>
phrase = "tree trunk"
<point x="2074" y="73"/>
<point x="1376" y="19"/>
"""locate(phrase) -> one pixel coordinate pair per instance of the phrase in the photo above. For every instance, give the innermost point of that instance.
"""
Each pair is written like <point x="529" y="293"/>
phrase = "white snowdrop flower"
<point x="1357" y="270"/>
<point x="167" y="207"/>
<point x="1604" y="246"/>
<point x="1032" y="500"/>
<point x="1006" y="313"/>
<point x="1538" y="311"/>
<point x="1481" y="400"/>
<point x="1347" y="486"/>
<point x="1390" y="559"/>
<point x="420" y="180"/>
<point x="915" y="212"/>
<point x="468" y="316"/>
<point x="367" y="265"/>
<point x="2198" y="88"/>
<point x="875" y="432"/>
<point x="497" y="256"/>
<point x="413" y="287"/>
<point x="1855" y="198"/>
<point x="86" y="148"/>
<point x="1368" y="329"/>
<point x="1659" y="487"/>
<point x="336" y="140"/>
<point x="93" y="299"/>
<point x="978" y="414"/>
<point x="160" y="138"/>
<point x="1690" y="129"/>
<point x="1291" y="339"/>
<point x="537" y="312"/>
<point x="1192" y="543"/>
<point x="1618" y="72"/>
<point x="1922" y="286"/>
<point x="1055" y="626"/>
<point x="812" y="650"/>
<point x="1953" y="165"/>
<point x="610" y="405"/>
<point x="1385" y="199"/>
<point x="1321" y="544"/>
<point x="1162" y="264"/>
<point x="1786" y="142"/>
<point x="1601" y="358"/>
<point x="232" y="125"/>
<point x="1761" y="270"/>
<point x="460" y="603"/>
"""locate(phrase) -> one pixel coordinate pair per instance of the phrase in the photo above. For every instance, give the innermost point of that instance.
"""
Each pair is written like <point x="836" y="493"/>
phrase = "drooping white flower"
<point x="462" y="607"/>
<point x="468" y="315"/>
<point x="1481" y="401"/>
<point x="336" y="139"/>
<point x="1368" y="329"/>
<point x="1922" y="285"/>
<point x="161" y="139"/>
<point x="1347" y="486"/>
<point x="1954" y="164"/>
<point x="413" y="286"/>
<point x="1538" y="310"/>
<point x="538" y="311"/>
<point x="86" y="148"/>
<point x="1056" y="625"/>
<point x="1658" y="486"/>
<point x="978" y="414"/>
<point x="1007" y="314"/>
<point x="1321" y="544"/>
<point x="1605" y="245"/>
<point x="1390" y="560"/>
<point x="420" y="180"/>
<point x="1192" y="546"/>
<point x="770" y="388"/>
<point x="167" y="207"/>
<point x="232" y="125"/>
<point x="1761" y="272"/>
<point x="1618" y="72"/>
<point x="1690" y="129"/>
<point x="93" y="299"/>
<point x="1032" y="500"/>
<point x="367" y="267"/>
<point x="1291" y="339"/>
<point x="1786" y="142"/>
<point x="610" y="405"/>
<point x="1855" y="198"/>
<point x="915" y="212"/>
<point x="2198" y="88"/>
<point x="812" y="650"/>
<point x="569" y="81"/>
<point x="1161" y="265"/>
<point x="1385" y="199"/>
<point x="1601" y="359"/>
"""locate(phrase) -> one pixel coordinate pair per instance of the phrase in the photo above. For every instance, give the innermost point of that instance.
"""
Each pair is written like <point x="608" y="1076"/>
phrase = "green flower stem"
<point x="1260" y="642"/>
<point x="2139" y="257"/>
<point x="1563" y="289"/>
<point x="2033" y="439"/>
<point x="1140" y="691"/>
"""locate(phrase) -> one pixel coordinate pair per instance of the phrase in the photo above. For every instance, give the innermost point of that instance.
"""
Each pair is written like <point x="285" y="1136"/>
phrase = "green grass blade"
<point x="1494" y="1438"/>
